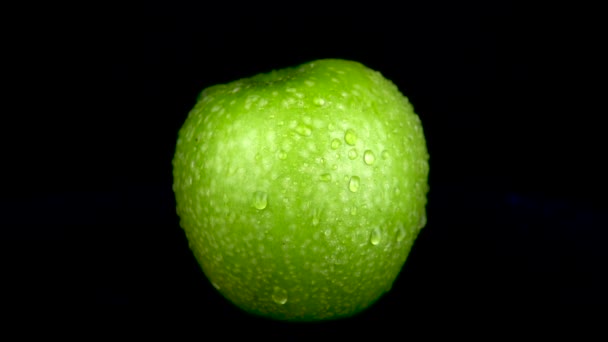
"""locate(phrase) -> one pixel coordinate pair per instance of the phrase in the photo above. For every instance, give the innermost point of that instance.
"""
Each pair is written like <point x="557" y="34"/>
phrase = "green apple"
<point x="302" y="190"/>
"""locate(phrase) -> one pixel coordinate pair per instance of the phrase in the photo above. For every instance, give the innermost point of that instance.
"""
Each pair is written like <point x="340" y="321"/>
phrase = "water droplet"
<point x="350" y="137"/>
<point x="384" y="155"/>
<point x="369" y="157"/>
<point x="326" y="177"/>
<point x="401" y="233"/>
<point x="422" y="221"/>
<point x="389" y="286"/>
<point x="260" y="200"/>
<point x="316" y="216"/>
<point x="353" y="185"/>
<point x="352" y="154"/>
<point x="303" y="130"/>
<point x="334" y="167"/>
<point x="335" y="144"/>
<point x="258" y="156"/>
<point x="375" y="237"/>
<point x="349" y="289"/>
<point x="217" y="287"/>
<point x="353" y="210"/>
<point x="282" y="155"/>
<point x="339" y="258"/>
<point x="327" y="232"/>
<point x="319" y="101"/>
<point x="279" y="295"/>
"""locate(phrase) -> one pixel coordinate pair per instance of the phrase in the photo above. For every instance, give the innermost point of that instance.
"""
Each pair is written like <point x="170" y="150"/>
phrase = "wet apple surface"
<point x="301" y="191"/>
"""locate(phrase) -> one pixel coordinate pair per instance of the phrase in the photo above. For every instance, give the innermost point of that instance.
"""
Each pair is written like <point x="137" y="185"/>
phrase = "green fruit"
<point x="301" y="191"/>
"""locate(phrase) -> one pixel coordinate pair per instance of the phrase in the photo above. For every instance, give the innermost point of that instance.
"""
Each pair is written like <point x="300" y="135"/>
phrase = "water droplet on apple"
<point x="368" y="157"/>
<point x="260" y="200"/>
<point x="217" y="287"/>
<point x="282" y="155"/>
<point x="385" y="155"/>
<point x="353" y="210"/>
<point x="319" y="101"/>
<point x="422" y="221"/>
<point x="279" y="295"/>
<point x="339" y="258"/>
<point x="316" y="216"/>
<point x="350" y="137"/>
<point x="349" y="289"/>
<point x="327" y="232"/>
<point x="335" y="144"/>
<point x="353" y="185"/>
<point x="375" y="236"/>
<point x="326" y="177"/>
<point x="303" y="130"/>
<point x="352" y="154"/>
<point x="401" y="233"/>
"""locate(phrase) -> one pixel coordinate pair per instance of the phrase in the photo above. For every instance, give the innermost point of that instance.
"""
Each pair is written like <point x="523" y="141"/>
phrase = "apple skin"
<point x="301" y="191"/>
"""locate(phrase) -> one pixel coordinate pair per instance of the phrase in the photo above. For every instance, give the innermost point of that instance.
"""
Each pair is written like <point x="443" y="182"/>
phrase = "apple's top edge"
<point x="279" y="74"/>
<point x="337" y="62"/>
<point x="324" y="62"/>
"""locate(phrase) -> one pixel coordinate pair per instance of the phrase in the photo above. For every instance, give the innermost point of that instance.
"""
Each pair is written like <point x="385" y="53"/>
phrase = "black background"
<point x="506" y="94"/>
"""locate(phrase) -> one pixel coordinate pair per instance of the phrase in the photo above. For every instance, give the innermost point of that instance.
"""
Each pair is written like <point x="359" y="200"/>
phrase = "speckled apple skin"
<point x="301" y="191"/>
